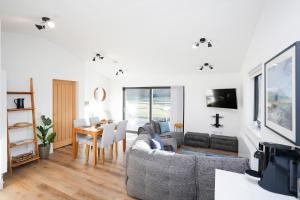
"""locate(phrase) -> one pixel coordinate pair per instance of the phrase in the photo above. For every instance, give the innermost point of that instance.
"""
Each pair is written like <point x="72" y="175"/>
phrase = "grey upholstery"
<point x="205" y="172"/>
<point x="178" y="136"/>
<point x="153" y="128"/>
<point x="197" y="139"/>
<point x="155" y="174"/>
<point x="225" y="143"/>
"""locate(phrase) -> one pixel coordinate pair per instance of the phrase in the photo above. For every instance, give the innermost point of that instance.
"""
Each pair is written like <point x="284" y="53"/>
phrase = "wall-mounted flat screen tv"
<point x="221" y="98"/>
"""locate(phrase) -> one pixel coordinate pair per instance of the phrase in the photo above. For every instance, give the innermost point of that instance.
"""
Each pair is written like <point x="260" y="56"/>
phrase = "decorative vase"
<point x="44" y="151"/>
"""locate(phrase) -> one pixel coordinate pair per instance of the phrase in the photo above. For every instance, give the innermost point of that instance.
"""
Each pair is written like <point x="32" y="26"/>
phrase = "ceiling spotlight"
<point x="206" y="65"/>
<point x="209" y="44"/>
<point x="40" y="27"/>
<point x="98" y="55"/>
<point x="119" y="72"/>
<point x="202" y="41"/>
<point x="196" y="45"/>
<point x="45" y="21"/>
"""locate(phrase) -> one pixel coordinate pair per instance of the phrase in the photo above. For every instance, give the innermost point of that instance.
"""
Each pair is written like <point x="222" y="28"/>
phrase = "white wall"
<point x="277" y="28"/>
<point x="197" y="115"/>
<point x="26" y="56"/>
<point x="3" y="135"/>
<point x="94" y="79"/>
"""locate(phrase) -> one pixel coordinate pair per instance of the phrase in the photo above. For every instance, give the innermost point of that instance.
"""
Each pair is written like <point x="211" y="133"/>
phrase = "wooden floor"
<point x="60" y="177"/>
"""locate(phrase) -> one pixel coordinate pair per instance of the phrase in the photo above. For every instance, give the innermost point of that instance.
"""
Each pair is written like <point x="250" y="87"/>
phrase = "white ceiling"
<point x="144" y="36"/>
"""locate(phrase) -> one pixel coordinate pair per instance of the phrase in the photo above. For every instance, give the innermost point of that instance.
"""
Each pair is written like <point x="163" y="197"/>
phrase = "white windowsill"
<point x="256" y="132"/>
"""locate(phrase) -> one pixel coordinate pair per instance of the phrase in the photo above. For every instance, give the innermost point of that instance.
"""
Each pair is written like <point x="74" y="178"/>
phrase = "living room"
<point x="140" y="61"/>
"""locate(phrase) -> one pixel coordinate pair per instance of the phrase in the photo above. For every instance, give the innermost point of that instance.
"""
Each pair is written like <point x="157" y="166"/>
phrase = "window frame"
<point x="150" y="100"/>
<point x="257" y="101"/>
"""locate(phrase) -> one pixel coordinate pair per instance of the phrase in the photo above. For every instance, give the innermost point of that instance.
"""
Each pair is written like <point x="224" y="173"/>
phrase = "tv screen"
<point x="221" y="98"/>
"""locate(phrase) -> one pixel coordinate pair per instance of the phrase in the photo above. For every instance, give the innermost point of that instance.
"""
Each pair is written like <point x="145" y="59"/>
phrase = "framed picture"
<point x="281" y="81"/>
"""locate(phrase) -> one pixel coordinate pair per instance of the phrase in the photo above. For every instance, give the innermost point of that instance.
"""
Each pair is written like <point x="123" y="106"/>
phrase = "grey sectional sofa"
<point x="154" y="174"/>
<point x="153" y="127"/>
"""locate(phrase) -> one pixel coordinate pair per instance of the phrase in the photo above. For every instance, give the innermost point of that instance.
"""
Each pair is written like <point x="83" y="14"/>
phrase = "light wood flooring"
<point x="61" y="178"/>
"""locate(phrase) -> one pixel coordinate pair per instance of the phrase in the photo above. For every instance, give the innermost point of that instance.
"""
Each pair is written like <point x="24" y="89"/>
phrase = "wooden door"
<point x="64" y="111"/>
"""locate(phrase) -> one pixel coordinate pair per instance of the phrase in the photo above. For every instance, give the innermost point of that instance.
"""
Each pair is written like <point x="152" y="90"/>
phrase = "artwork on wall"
<point x="280" y="93"/>
<point x="99" y="94"/>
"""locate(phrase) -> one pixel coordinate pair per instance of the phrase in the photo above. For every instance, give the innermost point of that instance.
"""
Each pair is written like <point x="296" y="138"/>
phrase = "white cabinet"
<point x="234" y="186"/>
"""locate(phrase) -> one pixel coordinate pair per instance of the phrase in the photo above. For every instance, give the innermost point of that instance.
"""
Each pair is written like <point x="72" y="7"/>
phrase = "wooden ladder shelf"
<point x="12" y="145"/>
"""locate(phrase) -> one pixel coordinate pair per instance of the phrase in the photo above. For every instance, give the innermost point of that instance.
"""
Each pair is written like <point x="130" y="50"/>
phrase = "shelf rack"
<point x="12" y="145"/>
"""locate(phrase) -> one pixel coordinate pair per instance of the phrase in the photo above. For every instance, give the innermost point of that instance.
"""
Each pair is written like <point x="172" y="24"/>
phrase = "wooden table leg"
<point x="74" y="145"/>
<point x="95" y="150"/>
<point x="111" y="147"/>
<point x="116" y="148"/>
<point x="124" y="145"/>
<point x="87" y="153"/>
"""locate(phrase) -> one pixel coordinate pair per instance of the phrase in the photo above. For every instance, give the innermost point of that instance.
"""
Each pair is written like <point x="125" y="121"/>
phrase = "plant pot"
<point x="44" y="151"/>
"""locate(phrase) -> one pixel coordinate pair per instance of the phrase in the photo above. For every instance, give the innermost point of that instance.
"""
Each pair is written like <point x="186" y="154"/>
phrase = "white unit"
<point x="234" y="186"/>
<point x="3" y="126"/>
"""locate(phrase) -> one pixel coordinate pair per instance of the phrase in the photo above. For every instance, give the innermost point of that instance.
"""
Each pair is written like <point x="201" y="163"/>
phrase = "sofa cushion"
<point x="205" y="172"/>
<point x="164" y="127"/>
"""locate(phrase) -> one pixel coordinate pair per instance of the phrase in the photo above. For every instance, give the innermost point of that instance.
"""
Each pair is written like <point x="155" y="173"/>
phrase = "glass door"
<point x="136" y="107"/>
<point x="161" y="104"/>
<point x="141" y="105"/>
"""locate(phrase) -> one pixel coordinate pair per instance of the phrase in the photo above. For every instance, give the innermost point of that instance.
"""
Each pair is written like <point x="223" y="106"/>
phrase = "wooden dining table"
<point x="92" y="131"/>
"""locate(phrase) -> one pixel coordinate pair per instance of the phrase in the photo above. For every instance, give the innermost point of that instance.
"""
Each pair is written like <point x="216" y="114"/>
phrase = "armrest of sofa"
<point x="179" y="136"/>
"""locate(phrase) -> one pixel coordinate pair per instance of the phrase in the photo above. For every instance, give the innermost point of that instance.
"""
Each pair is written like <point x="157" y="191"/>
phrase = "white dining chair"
<point x="81" y="138"/>
<point x="105" y="141"/>
<point x="120" y="135"/>
<point x="94" y="121"/>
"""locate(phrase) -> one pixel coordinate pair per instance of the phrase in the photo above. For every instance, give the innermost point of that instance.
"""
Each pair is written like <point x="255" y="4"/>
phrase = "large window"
<point x="141" y="105"/>
<point x="257" y="99"/>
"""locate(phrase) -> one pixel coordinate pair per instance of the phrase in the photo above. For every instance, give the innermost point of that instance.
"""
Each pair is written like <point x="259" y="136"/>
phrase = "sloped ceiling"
<point x="142" y="36"/>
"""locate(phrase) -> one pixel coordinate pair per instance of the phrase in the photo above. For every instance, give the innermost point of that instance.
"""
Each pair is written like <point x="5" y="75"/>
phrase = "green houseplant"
<point x="45" y="136"/>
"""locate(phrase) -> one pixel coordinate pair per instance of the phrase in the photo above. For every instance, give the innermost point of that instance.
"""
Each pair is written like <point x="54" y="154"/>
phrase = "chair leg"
<point x="111" y="147"/>
<point x="99" y="153"/>
<point x="103" y="155"/>
<point x="116" y="148"/>
<point x="124" y="145"/>
<point x="87" y="152"/>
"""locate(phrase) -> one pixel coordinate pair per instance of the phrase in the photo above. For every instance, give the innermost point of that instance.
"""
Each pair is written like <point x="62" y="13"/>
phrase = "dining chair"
<point x="105" y="141"/>
<point x="81" y="138"/>
<point x="94" y="121"/>
<point x="121" y="135"/>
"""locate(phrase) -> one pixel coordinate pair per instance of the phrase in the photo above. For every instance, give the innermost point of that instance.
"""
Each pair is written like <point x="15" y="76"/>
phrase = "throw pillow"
<point x="156" y="142"/>
<point x="164" y="127"/>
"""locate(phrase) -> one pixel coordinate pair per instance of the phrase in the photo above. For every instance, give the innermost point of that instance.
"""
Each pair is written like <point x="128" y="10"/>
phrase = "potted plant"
<point x="45" y="137"/>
